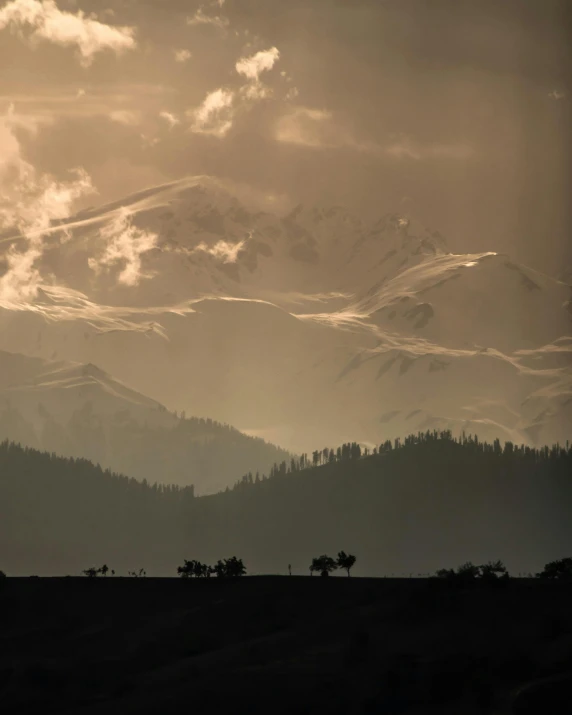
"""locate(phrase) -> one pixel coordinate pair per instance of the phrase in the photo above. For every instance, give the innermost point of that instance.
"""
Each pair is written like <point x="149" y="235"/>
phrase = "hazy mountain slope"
<point x="430" y="503"/>
<point x="310" y="327"/>
<point x="79" y="410"/>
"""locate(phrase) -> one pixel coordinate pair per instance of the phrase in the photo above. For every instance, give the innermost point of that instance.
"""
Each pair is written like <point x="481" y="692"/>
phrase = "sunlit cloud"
<point x="13" y="119"/>
<point x="60" y="303"/>
<point x="30" y="203"/>
<point x="252" y="67"/>
<point x="224" y="251"/>
<point x="125" y="246"/>
<point x="43" y="20"/>
<point x="215" y="115"/>
<point x="557" y="94"/>
<point x="182" y="56"/>
<point x="170" y="118"/>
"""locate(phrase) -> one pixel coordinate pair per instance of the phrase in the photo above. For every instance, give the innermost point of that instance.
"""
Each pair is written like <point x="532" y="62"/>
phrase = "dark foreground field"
<point x="283" y="645"/>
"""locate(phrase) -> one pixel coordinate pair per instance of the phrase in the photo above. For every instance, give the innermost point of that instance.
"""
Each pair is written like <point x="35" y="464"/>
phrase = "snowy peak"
<point x="79" y="379"/>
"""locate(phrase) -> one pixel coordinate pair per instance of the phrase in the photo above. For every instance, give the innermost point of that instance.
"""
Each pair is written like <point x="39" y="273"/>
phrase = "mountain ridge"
<point x="79" y="410"/>
<point x="274" y="322"/>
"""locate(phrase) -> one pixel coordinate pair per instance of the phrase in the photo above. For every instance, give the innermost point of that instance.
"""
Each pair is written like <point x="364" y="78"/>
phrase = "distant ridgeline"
<point x="181" y="451"/>
<point x="406" y="508"/>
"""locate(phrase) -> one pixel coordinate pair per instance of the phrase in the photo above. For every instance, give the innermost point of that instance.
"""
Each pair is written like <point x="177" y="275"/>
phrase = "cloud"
<point x="252" y="67"/>
<point x="125" y="245"/>
<point x="557" y="94"/>
<point x="224" y="251"/>
<point x="29" y="203"/>
<point x="171" y="119"/>
<point x="126" y="117"/>
<point x="318" y="129"/>
<point x="306" y="126"/>
<point x="10" y="153"/>
<point x="182" y="55"/>
<point x="406" y="148"/>
<point x="47" y="22"/>
<point x="292" y="94"/>
<point x="201" y="18"/>
<point x="215" y="115"/>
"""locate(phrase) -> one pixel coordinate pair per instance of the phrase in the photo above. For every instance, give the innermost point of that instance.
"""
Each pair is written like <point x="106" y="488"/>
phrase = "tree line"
<point x="407" y="507"/>
<point x="559" y="570"/>
<point x="352" y="451"/>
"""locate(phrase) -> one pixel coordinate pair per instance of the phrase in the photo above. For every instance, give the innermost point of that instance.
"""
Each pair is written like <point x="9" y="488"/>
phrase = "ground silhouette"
<point x="122" y="645"/>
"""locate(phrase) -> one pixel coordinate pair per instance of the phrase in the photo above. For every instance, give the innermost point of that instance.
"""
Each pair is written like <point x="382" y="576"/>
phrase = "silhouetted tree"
<point x="137" y="574"/>
<point x="323" y="564"/>
<point x="468" y="572"/>
<point x="229" y="568"/>
<point x="91" y="572"/>
<point x="464" y="575"/>
<point x="493" y="571"/>
<point x="103" y="570"/>
<point x="346" y="561"/>
<point x="189" y="569"/>
<point x="560" y="570"/>
<point x="234" y="567"/>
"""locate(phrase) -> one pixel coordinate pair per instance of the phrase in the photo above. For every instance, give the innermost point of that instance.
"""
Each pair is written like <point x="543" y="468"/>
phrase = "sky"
<point x="453" y="111"/>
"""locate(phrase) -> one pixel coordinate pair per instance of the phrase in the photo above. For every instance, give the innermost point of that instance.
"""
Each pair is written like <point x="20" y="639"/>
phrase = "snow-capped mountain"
<point x="78" y="410"/>
<point x="308" y="328"/>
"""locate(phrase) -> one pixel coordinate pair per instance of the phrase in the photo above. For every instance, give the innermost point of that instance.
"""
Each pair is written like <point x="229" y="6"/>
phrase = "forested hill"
<point x="155" y="445"/>
<point x="410" y="507"/>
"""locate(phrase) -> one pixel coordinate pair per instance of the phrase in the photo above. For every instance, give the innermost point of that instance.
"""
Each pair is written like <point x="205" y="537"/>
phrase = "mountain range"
<point x="79" y="411"/>
<point x="313" y="327"/>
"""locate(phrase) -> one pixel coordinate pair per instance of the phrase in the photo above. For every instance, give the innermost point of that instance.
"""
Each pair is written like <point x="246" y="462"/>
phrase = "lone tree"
<point x="346" y="561"/>
<point x="324" y="565"/>
<point x="560" y="570"/>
